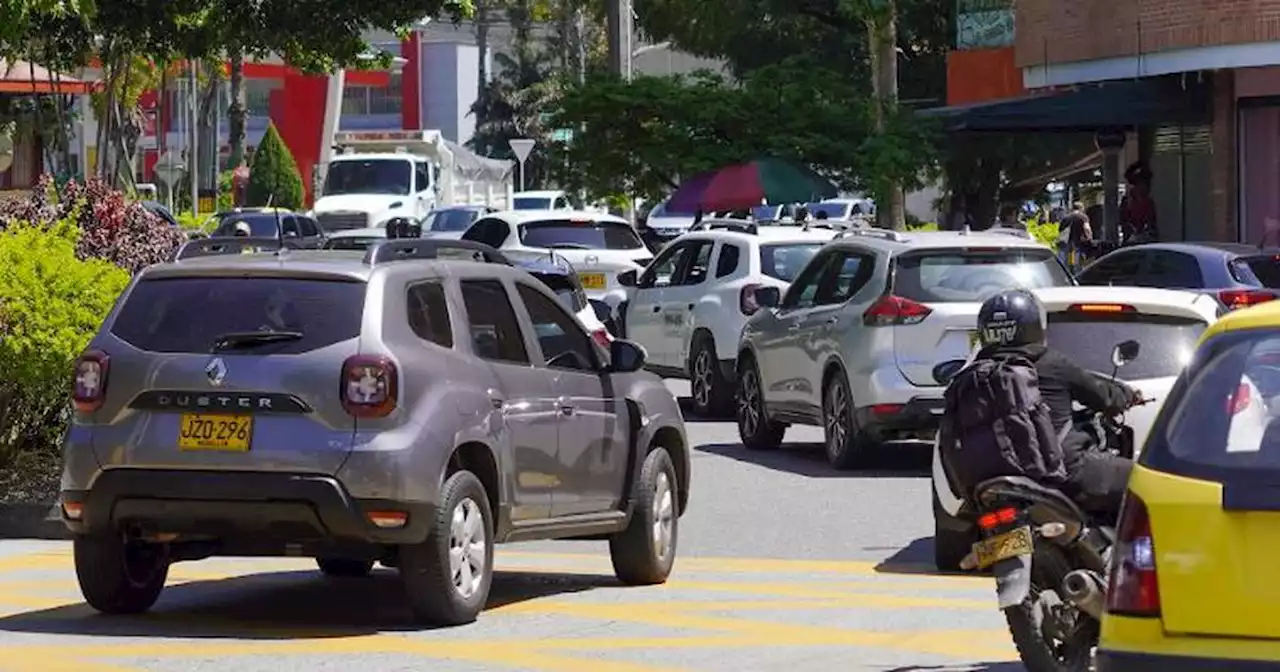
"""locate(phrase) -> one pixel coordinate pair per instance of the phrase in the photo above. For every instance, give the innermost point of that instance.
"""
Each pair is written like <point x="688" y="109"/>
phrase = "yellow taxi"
<point x="1195" y="578"/>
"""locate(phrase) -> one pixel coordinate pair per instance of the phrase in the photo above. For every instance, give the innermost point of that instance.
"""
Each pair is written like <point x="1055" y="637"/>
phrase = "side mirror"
<point x="626" y="356"/>
<point x="1125" y="352"/>
<point x="628" y="278"/>
<point x="944" y="372"/>
<point x="768" y="297"/>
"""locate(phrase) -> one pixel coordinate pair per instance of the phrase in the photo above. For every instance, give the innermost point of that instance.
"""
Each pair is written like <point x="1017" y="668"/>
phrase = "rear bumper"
<point x="917" y="418"/>
<point x="237" y="505"/>
<point x="1116" y="661"/>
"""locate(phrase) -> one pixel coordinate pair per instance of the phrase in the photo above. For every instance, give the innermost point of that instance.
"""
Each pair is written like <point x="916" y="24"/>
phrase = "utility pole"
<point x="621" y="36"/>
<point x="883" y="29"/>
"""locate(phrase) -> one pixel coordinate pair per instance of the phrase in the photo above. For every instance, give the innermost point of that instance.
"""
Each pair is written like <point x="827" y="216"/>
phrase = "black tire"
<point x="119" y="577"/>
<point x="843" y="440"/>
<point x="754" y="427"/>
<point x="425" y="568"/>
<point x="639" y="558"/>
<point x="1048" y="568"/>
<point x="711" y="394"/>
<point x="344" y="567"/>
<point x="949" y="545"/>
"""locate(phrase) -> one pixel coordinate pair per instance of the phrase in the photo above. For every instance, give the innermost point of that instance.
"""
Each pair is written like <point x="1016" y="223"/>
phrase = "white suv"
<point x="689" y="306"/>
<point x="853" y="344"/>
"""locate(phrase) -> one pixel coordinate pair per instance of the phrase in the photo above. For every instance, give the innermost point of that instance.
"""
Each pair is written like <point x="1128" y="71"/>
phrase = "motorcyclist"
<point x="1014" y="322"/>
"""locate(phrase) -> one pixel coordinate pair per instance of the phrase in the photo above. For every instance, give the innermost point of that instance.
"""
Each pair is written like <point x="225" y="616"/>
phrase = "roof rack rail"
<point x="1018" y="233"/>
<point x="212" y="247"/>
<point x="740" y="227"/>
<point x="871" y="232"/>
<point x="400" y="249"/>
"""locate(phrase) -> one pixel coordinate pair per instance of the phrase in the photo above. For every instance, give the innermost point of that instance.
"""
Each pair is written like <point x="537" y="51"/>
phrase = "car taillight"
<point x="89" y="386"/>
<point x="1133" y="589"/>
<point x="1239" y="400"/>
<point x="895" y="310"/>
<point x="369" y="386"/>
<point x="747" y="300"/>
<point x="1243" y="298"/>
<point x="601" y="336"/>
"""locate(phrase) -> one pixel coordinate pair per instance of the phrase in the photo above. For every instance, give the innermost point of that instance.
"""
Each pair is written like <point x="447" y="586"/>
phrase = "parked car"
<point x="1237" y="275"/>
<point x="1192" y="570"/>
<point x="600" y="246"/>
<point x="688" y="307"/>
<point x="1085" y="323"/>
<point x="853" y="343"/>
<point x="399" y="406"/>
<point x="301" y="230"/>
<point x="453" y="221"/>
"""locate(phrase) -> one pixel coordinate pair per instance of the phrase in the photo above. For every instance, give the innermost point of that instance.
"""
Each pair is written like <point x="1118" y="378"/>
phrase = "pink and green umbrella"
<point x="747" y="185"/>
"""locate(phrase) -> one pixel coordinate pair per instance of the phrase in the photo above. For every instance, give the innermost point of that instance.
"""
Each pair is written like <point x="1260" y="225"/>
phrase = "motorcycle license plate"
<point x="1011" y="544"/>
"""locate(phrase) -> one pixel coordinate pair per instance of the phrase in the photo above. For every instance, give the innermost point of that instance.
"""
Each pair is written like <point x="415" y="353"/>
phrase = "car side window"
<point x="1116" y="269"/>
<point x="495" y="331"/>
<point x="843" y="277"/>
<point x="428" y="313"/>
<point x="309" y="227"/>
<point x="1174" y="270"/>
<point x="697" y="265"/>
<point x="289" y="225"/>
<point x="727" y="262"/>
<point x="662" y="271"/>
<point x="422" y="175"/>
<point x="564" y="344"/>
<point x="490" y="231"/>
<point x="802" y="292"/>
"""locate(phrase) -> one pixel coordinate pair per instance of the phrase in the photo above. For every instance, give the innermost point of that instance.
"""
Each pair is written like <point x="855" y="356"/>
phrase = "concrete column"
<point x="1224" y="192"/>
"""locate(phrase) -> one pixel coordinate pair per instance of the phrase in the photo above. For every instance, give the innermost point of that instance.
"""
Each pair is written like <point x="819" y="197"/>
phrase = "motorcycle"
<point x="1049" y="558"/>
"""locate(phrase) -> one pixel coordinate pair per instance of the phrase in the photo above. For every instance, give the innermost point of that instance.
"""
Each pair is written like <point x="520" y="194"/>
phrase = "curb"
<point x="32" y="521"/>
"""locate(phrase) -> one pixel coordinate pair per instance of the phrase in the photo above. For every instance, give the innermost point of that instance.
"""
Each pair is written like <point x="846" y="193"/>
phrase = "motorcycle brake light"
<point x="998" y="517"/>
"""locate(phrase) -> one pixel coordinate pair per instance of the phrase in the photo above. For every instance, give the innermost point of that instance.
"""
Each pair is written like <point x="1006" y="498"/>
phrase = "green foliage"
<point x="1045" y="232"/>
<point x="274" y="178"/>
<point x="51" y="304"/>
<point x="226" y="190"/>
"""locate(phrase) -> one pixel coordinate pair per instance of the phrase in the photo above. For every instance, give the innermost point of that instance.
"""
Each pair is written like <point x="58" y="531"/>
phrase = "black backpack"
<point x="995" y="423"/>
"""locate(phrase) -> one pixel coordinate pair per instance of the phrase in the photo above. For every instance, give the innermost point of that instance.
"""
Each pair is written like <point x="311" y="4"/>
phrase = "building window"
<point x="359" y="100"/>
<point x="257" y="94"/>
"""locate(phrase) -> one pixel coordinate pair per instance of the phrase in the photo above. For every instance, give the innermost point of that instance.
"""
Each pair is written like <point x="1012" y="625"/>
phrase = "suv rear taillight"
<point x="369" y="386"/>
<point x="895" y="310"/>
<point x="1133" y="589"/>
<point x="1240" y="400"/>
<point x="747" y="300"/>
<point x="89" y="385"/>
<point x="1243" y="298"/>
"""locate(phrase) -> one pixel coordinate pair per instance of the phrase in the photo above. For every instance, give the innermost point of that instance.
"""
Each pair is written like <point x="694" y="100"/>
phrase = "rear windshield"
<point x="260" y="225"/>
<point x="351" y="242"/>
<point x="531" y="203"/>
<point x="1087" y="339"/>
<point x="189" y="314"/>
<point x="1227" y="416"/>
<point x="785" y="261"/>
<point x="563" y="234"/>
<point x="1261" y="271"/>
<point x="970" y="276"/>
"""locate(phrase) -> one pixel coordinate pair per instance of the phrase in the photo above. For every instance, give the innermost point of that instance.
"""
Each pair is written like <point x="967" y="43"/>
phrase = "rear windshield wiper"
<point x="248" y="339"/>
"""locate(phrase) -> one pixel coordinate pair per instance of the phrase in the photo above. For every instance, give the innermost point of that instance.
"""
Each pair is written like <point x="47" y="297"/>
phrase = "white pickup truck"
<point x="381" y="175"/>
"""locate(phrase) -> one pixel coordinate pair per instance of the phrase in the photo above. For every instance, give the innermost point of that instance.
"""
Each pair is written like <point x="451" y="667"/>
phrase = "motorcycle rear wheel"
<point x="1072" y="653"/>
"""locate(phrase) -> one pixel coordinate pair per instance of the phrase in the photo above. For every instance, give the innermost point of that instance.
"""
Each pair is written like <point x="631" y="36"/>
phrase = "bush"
<point x="274" y="178"/>
<point x="52" y="301"/>
<point x="1045" y="232"/>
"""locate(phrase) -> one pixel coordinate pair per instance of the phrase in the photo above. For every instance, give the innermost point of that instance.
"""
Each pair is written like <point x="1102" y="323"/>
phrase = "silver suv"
<point x="405" y="405"/>
<point x="853" y="344"/>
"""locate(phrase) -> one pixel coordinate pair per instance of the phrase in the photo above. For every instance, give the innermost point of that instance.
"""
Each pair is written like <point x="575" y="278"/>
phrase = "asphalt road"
<point x="784" y="565"/>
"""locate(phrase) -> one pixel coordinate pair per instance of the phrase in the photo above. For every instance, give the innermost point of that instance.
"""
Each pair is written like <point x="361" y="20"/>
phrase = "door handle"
<point x="657" y="309"/>
<point x="691" y="306"/>
<point x="795" y="326"/>
<point x="566" y="407"/>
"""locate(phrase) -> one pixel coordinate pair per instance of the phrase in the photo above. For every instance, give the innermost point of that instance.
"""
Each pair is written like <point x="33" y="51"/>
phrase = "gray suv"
<point x="404" y="405"/>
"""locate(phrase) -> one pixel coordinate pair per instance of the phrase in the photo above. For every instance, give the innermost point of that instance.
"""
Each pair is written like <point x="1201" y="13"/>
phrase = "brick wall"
<point x="1064" y="31"/>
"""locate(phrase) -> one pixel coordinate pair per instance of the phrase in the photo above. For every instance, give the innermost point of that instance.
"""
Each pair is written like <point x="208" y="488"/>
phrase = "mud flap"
<point x="1013" y="580"/>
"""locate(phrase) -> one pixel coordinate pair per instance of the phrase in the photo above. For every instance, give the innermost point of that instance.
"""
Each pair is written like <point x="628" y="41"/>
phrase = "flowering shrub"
<point x="111" y="227"/>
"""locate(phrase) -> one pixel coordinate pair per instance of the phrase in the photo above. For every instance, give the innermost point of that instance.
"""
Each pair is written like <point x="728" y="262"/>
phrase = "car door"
<point x="592" y="454"/>
<point x="423" y="197"/>
<point x="781" y="356"/>
<point x="822" y="325"/>
<point x="312" y="237"/>
<point x="1122" y="268"/>
<point x="526" y="398"/>
<point x="680" y="299"/>
<point x="290" y="231"/>
<point x="1169" y="269"/>
<point x="645" y="321"/>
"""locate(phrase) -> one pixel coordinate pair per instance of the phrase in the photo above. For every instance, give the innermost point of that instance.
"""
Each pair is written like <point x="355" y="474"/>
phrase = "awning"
<point x="25" y="77"/>
<point x="1084" y="108"/>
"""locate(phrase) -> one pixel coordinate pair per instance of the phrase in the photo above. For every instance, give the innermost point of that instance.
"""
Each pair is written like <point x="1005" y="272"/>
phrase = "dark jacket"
<point x="1061" y="383"/>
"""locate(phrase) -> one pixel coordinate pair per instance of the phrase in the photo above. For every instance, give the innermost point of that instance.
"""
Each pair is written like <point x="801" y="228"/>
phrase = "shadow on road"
<point x="915" y="558"/>
<point x="809" y="459"/>
<point x="284" y="605"/>
<point x="970" y="667"/>
<point x="691" y="417"/>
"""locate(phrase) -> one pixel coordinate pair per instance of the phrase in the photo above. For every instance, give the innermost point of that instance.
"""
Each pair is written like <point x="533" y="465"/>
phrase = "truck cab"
<point x="366" y="190"/>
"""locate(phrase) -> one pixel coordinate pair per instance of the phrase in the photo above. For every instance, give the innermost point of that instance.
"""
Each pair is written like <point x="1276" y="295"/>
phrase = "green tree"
<point x="274" y="178"/>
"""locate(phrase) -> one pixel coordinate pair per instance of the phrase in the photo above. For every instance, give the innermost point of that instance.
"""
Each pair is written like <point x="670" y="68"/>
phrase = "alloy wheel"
<point x="748" y="403"/>
<point x="837" y="418"/>
<point x="467" y="556"/>
<point x="701" y="383"/>
<point x="663" y="516"/>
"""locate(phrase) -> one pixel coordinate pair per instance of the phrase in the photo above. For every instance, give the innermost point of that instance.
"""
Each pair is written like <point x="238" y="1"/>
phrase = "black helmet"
<point x="1013" y="317"/>
<point x="403" y="227"/>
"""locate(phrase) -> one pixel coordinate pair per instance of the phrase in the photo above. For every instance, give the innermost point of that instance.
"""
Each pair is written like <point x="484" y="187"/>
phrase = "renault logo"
<point x="216" y="371"/>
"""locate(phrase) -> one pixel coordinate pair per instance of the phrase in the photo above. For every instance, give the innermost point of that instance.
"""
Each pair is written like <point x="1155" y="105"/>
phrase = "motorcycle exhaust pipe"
<point x="1086" y="590"/>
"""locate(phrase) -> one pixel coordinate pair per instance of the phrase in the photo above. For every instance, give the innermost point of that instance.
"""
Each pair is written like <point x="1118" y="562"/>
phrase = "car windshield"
<point x="1088" y="339"/>
<point x="832" y="210"/>
<point x="531" y="203"/>
<point x="261" y="224"/>
<point x="785" y="260"/>
<point x="189" y="314"/>
<point x="565" y="234"/>
<point x="450" y="220"/>
<point x="369" y="176"/>
<point x="1259" y="271"/>
<point x="970" y="275"/>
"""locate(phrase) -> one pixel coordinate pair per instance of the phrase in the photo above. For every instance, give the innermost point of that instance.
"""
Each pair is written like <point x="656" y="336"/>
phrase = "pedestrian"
<point x="1075" y="233"/>
<point x="1138" y="209"/>
<point x="1009" y="218"/>
<point x="958" y="217"/>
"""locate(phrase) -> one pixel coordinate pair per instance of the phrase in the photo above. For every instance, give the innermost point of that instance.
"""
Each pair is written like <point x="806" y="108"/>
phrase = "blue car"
<point x="1238" y="275"/>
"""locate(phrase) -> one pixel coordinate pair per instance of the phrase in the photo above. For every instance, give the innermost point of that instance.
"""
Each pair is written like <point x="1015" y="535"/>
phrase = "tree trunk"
<point x="481" y="22"/>
<point x="238" y="112"/>
<point x="208" y="145"/>
<point x="884" y="65"/>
